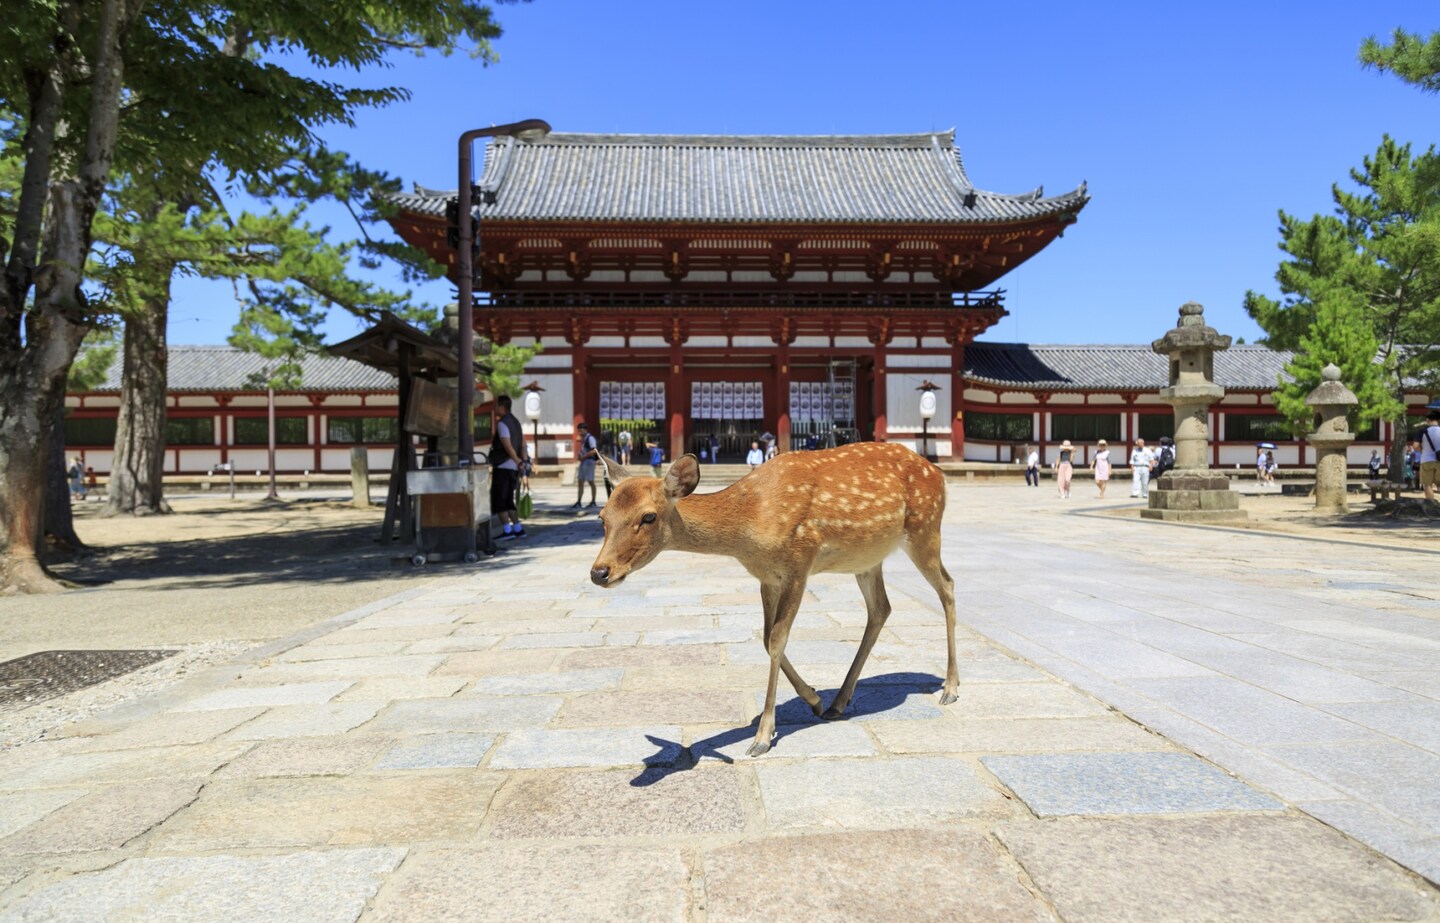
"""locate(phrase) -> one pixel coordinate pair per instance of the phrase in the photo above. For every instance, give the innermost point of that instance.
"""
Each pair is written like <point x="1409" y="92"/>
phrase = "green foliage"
<point x="508" y="364"/>
<point x="1340" y="334"/>
<point x="1410" y="56"/>
<point x="1376" y="263"/>
<point x="92" y="364"/>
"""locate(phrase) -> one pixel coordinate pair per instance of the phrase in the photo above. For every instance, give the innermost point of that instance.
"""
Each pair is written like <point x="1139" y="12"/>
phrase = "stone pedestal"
<point x="1191" y="492"/>
<point x="1332" y="402"/>
<point x="1193" y="496"/>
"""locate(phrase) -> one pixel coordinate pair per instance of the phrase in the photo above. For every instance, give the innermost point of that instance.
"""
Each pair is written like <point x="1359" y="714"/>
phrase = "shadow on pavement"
<point x="310" y="554"/>
<point x="873" y="695"/>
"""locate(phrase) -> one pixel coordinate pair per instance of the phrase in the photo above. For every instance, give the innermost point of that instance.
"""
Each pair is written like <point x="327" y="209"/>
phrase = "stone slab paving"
<point x="509" y="742"/>
<point x="1246" y="647"/>
<point x="1054" y="785"/>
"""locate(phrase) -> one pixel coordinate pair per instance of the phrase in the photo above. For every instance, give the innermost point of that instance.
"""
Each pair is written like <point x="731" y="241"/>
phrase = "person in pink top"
<point x="1101" y="464"/>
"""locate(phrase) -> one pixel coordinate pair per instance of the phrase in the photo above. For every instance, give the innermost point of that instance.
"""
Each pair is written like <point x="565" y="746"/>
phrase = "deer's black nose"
<point x="599" y="575"/>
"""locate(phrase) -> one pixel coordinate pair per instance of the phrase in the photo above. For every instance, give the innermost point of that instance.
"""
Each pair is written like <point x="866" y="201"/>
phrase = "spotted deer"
<point x="838" y="510"/>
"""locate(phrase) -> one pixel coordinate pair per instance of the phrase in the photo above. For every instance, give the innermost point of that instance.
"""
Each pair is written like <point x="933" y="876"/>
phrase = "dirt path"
<point x="214" y="571"/>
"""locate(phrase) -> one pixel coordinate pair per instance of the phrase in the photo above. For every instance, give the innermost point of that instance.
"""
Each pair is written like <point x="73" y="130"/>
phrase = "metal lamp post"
<point x="527" y="130"/>
<point x="927" y="391"/>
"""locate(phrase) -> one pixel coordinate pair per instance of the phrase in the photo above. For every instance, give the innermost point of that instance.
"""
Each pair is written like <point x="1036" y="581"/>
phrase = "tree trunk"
<point x="59" y="518"/>
<point x="32" y="374"/>
<point x="136" y="473"/>
<point x="30" y="396"/>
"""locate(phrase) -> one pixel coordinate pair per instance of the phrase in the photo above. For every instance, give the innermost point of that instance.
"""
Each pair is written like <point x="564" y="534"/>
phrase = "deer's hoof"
<point x="832" y="713"/>
<point x="817" y="706"/>
<point x="947" y="697"/>
<point x="759" y="748"/>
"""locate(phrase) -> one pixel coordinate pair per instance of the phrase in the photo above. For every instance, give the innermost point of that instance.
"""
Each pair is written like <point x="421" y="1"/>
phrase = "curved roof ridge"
<point x="915" y="139"/>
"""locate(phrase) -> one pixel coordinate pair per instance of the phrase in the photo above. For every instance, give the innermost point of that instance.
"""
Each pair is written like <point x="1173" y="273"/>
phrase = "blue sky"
<point x="1192" y="124"/>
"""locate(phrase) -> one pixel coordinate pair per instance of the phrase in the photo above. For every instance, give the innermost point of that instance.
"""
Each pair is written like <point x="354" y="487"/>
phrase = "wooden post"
<point x="360" y="477"/>
<point x="675" y="402"/>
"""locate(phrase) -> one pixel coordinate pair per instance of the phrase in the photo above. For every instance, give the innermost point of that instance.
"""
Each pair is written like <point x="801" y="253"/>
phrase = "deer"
<point x="841" y="510"/>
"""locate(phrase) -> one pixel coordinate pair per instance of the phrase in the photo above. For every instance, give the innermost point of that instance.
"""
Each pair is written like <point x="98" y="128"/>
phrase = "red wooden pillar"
<point x="781" y="403"/>
<point x="879" y="334"/>
<point x="580" y="394"/>
<point x="675" y="401"/>
<point x="957" y="404"/>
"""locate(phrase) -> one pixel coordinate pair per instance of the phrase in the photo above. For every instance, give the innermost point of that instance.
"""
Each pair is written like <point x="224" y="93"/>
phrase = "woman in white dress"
<point x="1101" y="464"/>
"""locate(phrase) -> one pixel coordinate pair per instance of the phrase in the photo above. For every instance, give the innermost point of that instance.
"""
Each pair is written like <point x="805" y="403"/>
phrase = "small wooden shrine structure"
<point x="425" y="410"/>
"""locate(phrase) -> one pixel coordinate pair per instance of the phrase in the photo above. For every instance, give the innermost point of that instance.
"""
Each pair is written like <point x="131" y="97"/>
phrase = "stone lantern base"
<point x="1193" y="496"/>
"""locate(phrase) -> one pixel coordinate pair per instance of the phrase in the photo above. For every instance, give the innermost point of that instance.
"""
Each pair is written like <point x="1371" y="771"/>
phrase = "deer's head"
<point x="639" y="517"/>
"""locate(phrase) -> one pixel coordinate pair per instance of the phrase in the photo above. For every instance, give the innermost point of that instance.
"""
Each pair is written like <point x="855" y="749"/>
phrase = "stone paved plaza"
<point x="1155" y="723"/>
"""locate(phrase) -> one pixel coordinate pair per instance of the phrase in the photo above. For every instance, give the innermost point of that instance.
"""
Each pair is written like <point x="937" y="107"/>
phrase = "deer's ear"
<point x="683" y="477"/>
<point x="614" y="470"/>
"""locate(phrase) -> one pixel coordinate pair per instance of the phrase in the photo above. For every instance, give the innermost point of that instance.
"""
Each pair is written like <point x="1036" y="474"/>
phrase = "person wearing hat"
<point x="1064" y="470"/>
<point x="1101" y="464"/>
<point x="1430" y="455"/>
<point x="589" y="452"/>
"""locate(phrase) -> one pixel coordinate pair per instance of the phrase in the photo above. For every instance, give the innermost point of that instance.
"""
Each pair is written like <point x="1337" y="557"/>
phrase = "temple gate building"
<point x="731" y="285"/>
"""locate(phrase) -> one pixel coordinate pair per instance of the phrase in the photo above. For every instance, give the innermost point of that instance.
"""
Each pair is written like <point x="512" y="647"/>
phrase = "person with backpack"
<point x="1430" y="455"/>
<point x="1164" y="458"/>
<point x="589" y="453"/>
<point x="508" y="457"/>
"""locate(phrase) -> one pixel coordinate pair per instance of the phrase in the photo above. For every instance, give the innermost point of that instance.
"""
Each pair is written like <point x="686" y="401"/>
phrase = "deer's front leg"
<point x="769" y="597"/>
<point x="787" y="603"/>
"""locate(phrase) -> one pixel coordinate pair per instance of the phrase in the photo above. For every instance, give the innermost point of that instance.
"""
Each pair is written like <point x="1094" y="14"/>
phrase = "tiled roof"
<point x="1111" y="368"/>
<point x="740" y="179"/>
<point x="225" y="368"/>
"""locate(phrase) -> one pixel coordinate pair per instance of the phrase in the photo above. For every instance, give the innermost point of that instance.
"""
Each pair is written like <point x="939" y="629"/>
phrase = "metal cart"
<point x="454" y="505"/>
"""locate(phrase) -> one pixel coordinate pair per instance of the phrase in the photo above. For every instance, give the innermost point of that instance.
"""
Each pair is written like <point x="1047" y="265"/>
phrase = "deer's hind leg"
<point x="769" y="597"/>
<point x="923" y="546"/>
<point x="877" y="610"/>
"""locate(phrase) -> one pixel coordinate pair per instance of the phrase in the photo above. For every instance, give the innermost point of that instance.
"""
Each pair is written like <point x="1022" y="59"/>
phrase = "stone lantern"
<point x="1191" y="492"/>
<point x="1332" y="402"/>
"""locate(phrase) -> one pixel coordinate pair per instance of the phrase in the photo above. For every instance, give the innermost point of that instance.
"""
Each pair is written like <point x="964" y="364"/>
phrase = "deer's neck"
<point x="707" y="523"/>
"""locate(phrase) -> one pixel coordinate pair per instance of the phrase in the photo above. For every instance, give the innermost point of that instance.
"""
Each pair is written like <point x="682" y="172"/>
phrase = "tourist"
<point x="507" y="458"/>
<point x="624" y="440"/>
<point x="1260" y="461"/>
<point x="771" y="449"/>
<point x="657" y="456"/>
<point x="77" y="479"/>
<point x="1164" y="458"/>
<point x="92" y="483"/>
<point x="756" y="457"/>
<point x="714" y="448"/>
<point x="1374" y="464"/>
<point x="1270" y="467"/>
<point x="1412" y="465"/>
<point x="1101" y="464"/>
<point x="1430" y="455"/>
<point x="1141" y="459"/>
<point x="1032" y="466"/>
<point x="1064" y="470"/>
<point x="588" y="453"/>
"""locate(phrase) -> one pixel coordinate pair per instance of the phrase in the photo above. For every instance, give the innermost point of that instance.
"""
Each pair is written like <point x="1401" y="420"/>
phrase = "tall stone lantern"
<point x="1332" y="402"/>
<point x="1191" y="492"/>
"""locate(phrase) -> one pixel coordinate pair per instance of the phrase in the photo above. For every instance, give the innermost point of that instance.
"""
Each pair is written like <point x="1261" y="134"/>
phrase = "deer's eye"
<point x="647" y="519"/>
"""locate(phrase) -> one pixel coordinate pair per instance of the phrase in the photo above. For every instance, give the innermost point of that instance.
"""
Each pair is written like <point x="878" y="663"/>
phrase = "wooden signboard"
<point x="431" y="410"/>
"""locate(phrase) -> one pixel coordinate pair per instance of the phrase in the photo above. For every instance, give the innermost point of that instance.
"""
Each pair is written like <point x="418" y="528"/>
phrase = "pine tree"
<point x="1412" y="58"/>
<point x="1376" y="261"/>
<point x="1340" y="334"/>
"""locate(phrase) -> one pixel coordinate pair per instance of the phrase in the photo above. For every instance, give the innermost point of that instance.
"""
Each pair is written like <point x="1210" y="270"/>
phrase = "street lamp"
<point x="927" y="391"/>
<point x="532" y="413"/>
<point x="528" y="130"/>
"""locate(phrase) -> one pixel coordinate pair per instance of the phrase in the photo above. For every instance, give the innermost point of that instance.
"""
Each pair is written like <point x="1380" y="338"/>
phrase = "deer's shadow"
<point x="874" y="695"/>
